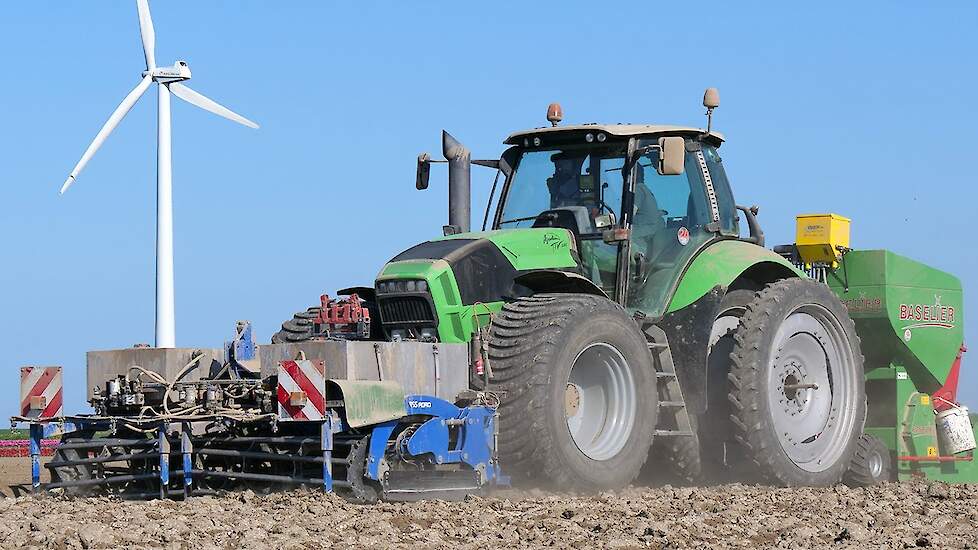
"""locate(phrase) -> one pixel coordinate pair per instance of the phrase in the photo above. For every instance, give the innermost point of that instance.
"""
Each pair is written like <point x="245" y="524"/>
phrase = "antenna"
<point x="167" y="79"/>
<point x="711" y="100"/>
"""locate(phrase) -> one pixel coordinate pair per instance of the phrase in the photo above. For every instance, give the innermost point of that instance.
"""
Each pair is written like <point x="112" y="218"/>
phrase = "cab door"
<point x="673" y="217"/>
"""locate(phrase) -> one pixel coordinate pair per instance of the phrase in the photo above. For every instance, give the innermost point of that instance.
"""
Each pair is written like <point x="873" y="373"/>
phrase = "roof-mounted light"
<point x="554" y="113"/>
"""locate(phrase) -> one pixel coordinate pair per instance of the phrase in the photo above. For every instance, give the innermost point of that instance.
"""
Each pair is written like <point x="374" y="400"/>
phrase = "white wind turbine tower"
<point x="169" y="80"/>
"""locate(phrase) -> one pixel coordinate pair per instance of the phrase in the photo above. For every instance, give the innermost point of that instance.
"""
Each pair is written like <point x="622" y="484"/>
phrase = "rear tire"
<point x="579" y="405"/>
<point x="797" y="392"/>
<point x="871" y="463"/>
<point x="676" y="460"/>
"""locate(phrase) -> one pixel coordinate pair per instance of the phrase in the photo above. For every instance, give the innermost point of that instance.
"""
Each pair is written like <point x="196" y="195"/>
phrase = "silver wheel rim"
<point x="875" y="465"/>
<point x="811" y="383"/>
<point x="600" y="402"/>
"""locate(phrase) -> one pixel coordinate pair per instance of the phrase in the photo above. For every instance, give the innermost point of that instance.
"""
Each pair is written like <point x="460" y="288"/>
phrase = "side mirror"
<point x="672" y="156"/>
<point x="424" y="171"/>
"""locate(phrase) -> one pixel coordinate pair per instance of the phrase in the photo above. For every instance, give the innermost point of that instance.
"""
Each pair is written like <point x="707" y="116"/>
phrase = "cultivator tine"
<point x="36" y="431"/>
<point x="187" y="448"/>
<point x="164" y="449"/>
<point x="327" y="448"/>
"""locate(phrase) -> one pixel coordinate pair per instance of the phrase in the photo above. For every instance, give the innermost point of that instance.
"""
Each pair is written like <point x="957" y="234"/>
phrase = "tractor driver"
<point x="565" y="184"/>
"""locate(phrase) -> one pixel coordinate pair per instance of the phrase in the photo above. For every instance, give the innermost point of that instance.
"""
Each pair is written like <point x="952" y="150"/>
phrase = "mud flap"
<point x="367" y="402"/>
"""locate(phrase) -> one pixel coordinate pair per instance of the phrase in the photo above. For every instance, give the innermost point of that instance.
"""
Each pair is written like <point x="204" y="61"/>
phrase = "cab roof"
<point x="618" y="130"/>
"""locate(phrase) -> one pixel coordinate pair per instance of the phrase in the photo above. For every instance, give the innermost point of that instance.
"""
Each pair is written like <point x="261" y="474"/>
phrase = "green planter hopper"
<point x="910" y="319"/>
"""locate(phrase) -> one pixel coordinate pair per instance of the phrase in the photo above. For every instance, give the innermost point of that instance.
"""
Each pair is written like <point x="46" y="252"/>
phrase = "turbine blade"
<point x="107" y="128"/>
<point x="147" y="33"/>
<point x="207" y="104"/>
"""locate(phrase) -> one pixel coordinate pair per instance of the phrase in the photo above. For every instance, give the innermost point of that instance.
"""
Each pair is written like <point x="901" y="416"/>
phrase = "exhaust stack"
<point x="459" y="184"/>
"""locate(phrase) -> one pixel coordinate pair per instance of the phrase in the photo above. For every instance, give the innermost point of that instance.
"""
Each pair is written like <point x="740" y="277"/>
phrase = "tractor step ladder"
<point x="673" y="416"/>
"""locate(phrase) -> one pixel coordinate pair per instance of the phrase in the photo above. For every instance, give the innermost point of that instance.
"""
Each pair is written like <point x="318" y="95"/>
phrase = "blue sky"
<point x="866" y="109"/>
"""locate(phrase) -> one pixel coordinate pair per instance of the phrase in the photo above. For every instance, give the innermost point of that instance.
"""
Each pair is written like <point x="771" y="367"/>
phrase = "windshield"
<point x="574" y="176"/>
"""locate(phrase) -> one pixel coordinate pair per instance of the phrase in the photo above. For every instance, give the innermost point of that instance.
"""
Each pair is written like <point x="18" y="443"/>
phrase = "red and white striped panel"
<point x="40" y="392"/>
<point x="301" y="390"/>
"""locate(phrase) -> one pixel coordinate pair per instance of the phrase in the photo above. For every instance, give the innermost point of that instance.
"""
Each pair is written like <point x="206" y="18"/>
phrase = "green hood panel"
<point x="529" y="248"/>
<point x="720" y="264"/>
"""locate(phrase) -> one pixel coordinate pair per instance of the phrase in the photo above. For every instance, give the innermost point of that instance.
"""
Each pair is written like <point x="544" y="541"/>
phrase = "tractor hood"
<point x="436" y="283"/>
<point x="485" y="263"/>
<point x="526" y="249"/>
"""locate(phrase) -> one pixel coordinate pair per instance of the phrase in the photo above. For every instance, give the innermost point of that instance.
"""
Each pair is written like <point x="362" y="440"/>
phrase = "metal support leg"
<point x="164" y="448"/>
<point x="327" y="448"/>
<point x="36" y="432"/>
<point x="187" y="448"/>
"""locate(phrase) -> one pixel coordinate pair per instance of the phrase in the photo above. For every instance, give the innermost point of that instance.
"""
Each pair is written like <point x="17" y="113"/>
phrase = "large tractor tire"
<point x="797" y="392"/>
<point x="579" y="405"/>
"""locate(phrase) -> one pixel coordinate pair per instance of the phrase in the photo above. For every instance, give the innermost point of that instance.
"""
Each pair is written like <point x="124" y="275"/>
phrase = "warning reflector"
<point x="301" y="390"/>
<point x="40" y="392"/>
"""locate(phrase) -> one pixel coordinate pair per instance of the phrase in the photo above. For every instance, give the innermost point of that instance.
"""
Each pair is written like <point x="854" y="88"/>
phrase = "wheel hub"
<point x="875" y="462"/>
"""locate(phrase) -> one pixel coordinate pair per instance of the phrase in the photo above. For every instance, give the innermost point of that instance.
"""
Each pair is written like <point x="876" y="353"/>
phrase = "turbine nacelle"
<point x="164" y="75"/>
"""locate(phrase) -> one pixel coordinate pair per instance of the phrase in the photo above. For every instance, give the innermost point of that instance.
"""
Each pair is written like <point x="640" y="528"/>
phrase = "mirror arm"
<point x="756" y="233"/>
<point x="642" y="151"/>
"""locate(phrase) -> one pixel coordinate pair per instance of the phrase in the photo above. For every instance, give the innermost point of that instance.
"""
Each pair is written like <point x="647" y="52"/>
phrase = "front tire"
<point x="796" y="387"/>
<point x="579" y="405"/>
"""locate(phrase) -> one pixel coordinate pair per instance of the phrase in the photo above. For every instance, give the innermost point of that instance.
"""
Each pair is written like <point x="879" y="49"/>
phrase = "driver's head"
<point x="564" y="186"/>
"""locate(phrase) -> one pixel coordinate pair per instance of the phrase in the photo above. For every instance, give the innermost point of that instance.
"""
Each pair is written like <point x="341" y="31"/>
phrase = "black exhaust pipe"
<point x="459" y="184"/>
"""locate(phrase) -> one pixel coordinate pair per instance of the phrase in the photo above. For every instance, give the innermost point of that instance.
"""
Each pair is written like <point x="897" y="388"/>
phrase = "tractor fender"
<point x="689" y="320"/>
<point x="725" y="262"/>
<point x="552" y="280"/>
<point x="368" y="402"/>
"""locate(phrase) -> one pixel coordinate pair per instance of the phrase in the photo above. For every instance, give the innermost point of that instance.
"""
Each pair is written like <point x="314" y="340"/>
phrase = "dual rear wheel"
<point x="796" y="390"/>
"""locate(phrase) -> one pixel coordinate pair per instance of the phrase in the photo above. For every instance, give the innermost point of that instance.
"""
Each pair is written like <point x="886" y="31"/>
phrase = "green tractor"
<point x="613" y="305"/>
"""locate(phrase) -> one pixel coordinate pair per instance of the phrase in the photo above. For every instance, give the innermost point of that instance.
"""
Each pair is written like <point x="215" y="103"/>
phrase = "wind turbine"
<point x="169" y="80"/>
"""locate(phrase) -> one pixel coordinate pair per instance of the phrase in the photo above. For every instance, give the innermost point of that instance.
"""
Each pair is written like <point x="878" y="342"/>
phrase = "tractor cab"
<point x="640" y="201"/>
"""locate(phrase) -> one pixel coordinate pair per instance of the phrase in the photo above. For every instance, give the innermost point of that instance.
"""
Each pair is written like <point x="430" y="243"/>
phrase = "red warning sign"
<point x="683" y="235"/>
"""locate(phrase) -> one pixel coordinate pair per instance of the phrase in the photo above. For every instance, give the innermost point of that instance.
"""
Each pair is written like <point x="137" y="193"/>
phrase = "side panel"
<point x="905" y="312"/>
<point x="104" y="365"/>
<point x="719" y="264"/>
<point x="440" y="369"/>
<point x="455" y="320"/>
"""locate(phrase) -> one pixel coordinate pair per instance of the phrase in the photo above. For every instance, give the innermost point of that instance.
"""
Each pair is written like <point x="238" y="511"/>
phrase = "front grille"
<point x="406" y="310"/>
